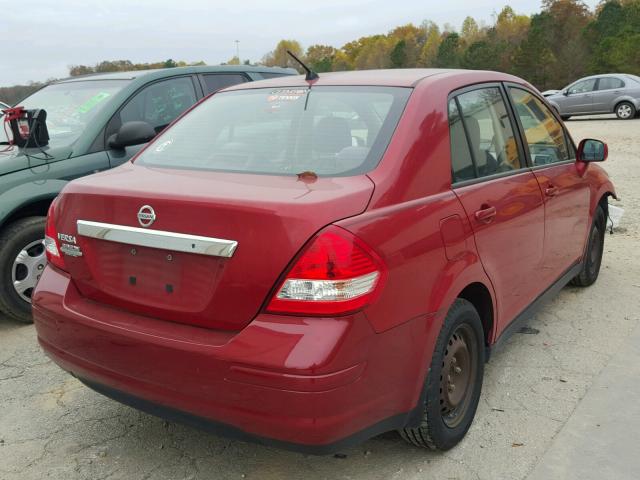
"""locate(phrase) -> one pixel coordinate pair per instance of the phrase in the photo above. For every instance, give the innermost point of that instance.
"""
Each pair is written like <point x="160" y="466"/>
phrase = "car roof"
<point x="601" y="75"/>
<point x="401" y="77"/>
<point x="169" y="72"/>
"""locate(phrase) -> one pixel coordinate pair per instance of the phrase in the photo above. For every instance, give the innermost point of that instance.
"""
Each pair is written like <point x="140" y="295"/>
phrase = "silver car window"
<point x="610" y="83"/>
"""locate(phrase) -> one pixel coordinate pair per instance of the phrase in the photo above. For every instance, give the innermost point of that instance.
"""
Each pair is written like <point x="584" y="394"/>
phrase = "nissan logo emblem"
<point x="146" y="216"/>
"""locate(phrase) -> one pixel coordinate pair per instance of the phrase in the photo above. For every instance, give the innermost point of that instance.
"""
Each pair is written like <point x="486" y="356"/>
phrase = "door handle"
<point x="551" y="191"/>
<point x="486" y="214"/>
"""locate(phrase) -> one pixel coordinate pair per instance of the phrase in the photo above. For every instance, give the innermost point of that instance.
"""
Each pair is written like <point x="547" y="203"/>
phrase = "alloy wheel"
<point x="624" y="111"/>
<point x="27" y="268"/>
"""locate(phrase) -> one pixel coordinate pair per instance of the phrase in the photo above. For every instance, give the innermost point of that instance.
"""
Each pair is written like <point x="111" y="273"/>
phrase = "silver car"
<point x="611" y="93"/>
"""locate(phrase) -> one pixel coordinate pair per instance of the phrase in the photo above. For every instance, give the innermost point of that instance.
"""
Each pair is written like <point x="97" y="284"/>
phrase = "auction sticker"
<point x="286" y="95"/>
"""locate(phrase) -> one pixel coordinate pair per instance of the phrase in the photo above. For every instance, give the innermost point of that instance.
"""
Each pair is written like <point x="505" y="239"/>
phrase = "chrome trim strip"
<point x="177" y="242"/>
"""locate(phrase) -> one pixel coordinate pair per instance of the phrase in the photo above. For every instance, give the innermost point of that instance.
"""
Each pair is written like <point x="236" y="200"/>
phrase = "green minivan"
<point x="95" y="122"/>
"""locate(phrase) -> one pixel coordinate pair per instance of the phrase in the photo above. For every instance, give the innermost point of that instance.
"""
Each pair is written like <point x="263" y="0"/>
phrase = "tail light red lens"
<point x="51" y="245"/>
<point x="336" y="274"/>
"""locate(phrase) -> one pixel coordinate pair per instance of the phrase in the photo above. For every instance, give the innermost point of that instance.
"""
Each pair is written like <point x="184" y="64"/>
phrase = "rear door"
<point x="579" y="98"/>
<point x="566" y="193"/>
<point x="608" y="90"/>
<point x="158" y="104"/>
<point x="500" y="195"/>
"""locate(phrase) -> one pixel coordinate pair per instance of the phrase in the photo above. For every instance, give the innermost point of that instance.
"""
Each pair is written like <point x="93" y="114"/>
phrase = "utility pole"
<point x="238" y="50"/>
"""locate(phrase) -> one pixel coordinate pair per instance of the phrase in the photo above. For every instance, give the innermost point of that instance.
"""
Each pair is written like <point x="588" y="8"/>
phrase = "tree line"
<point x="550" y="49"/>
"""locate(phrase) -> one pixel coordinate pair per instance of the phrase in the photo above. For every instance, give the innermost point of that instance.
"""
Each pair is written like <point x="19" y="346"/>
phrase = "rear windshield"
<point x="332" y="131"/>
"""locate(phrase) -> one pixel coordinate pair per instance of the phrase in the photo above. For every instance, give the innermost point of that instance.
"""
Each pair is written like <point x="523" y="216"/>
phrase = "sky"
<point x="42" y="38"/>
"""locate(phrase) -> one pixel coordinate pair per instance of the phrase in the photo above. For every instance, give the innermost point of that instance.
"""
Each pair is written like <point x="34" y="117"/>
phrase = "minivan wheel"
<point x="593" y="255"/>
<point x="625" y="111"/>
<point x="454" y="381"/>
<point x="22" y="260"/>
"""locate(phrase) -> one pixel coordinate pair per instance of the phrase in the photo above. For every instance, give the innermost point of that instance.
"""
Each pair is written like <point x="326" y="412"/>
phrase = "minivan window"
<point x="71" y="106"/>
<point x="544" y="134"/>
<point x="326" y="130"/>
<point x="489" y="132"/>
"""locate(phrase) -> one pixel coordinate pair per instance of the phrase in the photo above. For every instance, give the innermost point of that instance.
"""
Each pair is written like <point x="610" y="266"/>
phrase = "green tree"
<point x="449" y="52"/>
<point x="320" y="57"/>
<point x="398" y="55"/>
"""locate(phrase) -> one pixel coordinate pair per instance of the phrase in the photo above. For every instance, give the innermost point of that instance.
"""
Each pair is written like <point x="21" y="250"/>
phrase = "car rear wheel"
<point x="593" y="256"/>
<point x="625" y="111"/>
<point x="22" y="260"/>
<point x="454" y="381"/>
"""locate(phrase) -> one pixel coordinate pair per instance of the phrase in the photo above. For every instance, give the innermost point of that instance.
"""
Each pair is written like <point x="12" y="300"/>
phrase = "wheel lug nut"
<point x="451" y="388"/>
<point x="40" y="267"/>
<point x="457" y="370"/>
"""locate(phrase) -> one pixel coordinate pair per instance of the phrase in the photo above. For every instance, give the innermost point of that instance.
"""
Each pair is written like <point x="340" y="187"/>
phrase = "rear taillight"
<point x="336" y="274"/>
<point x="51" y="245"/>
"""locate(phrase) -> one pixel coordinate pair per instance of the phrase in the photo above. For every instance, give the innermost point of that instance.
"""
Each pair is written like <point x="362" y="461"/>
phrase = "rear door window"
<point x="480" y="119"/>
<point x="610" y="83"/>
<point x="216" y="81"/>
<point x="326" y="130"/>
<point x="545" y="137"/>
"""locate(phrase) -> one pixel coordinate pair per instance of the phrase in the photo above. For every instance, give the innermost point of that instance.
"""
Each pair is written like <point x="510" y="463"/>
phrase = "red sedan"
<point x="313" y="262"/>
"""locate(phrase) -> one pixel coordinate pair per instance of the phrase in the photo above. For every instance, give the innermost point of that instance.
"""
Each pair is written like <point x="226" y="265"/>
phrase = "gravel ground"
<point x="53" y="427"/>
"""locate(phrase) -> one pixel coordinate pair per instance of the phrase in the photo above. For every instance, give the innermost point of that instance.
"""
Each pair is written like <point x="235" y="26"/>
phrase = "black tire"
<point x="625" y="111"/>
<point x="593" y="255"/>
<point x="13" y="239"/>
<point x="442" y="428"/>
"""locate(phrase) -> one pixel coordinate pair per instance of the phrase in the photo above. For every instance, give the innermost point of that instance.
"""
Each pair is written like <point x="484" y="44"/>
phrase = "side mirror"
<point x="591" y="150"/>
<point x="565" y="92"/>
<point x="131" y="133"/>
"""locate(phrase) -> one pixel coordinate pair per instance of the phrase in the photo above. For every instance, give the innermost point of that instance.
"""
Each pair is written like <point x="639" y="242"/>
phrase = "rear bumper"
<point x="309" y="384"/>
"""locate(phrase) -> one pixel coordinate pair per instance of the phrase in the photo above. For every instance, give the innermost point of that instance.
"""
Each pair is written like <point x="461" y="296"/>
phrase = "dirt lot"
<point x="53" y="427"/>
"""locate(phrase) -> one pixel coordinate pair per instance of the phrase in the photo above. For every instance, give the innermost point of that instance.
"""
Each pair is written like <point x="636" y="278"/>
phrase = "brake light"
<point x="51" y="245"/>
<point x="336" y="274"/>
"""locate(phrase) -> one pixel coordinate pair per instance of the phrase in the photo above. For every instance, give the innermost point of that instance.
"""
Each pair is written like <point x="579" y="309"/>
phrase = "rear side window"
<point x="544" y="134"/>
<point x="461" y="162"/>
<point x="326" y="130"/>
<point x="479" y="118"/>
<point x="217" y="81"/>
<point x="610" y="83"/>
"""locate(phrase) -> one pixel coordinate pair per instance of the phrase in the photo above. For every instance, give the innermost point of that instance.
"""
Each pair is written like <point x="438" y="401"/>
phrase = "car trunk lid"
<point x="152" y="271"/>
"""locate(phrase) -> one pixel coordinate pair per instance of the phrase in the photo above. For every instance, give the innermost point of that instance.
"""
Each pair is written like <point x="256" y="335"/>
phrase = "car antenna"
<point x="311" y="75"/>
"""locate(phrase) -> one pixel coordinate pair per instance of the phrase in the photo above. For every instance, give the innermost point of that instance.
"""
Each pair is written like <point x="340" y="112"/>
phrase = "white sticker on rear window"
<point x="286" y="95"/>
